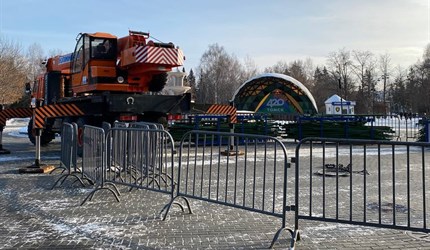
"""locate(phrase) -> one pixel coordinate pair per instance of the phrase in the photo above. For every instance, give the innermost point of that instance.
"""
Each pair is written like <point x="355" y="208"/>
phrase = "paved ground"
<point x="32" y="216"/>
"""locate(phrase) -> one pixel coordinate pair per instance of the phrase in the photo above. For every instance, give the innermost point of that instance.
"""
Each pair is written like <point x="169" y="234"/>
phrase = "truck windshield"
<point x="103" y="48"/>
<point x="78" y="57"/>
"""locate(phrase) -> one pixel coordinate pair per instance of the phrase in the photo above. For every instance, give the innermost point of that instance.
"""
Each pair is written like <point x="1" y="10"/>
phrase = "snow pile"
<point x="17" y="122"/>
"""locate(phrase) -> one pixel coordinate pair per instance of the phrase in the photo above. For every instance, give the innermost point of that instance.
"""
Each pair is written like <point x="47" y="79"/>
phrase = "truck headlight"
<point x="120" y="79"/>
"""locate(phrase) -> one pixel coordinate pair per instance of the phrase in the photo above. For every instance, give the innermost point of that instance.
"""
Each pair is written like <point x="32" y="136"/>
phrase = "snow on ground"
<point x="17" y="127"/>
<point x="17" y="122"/>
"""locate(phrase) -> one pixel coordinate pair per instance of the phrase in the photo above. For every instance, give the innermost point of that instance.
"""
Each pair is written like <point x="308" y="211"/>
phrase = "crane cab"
<point x="131" y="64"/>
<point x="94" y="63"/>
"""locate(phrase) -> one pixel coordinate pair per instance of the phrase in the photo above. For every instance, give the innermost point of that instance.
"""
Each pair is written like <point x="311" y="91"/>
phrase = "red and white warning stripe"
<point x="156" y="55"/>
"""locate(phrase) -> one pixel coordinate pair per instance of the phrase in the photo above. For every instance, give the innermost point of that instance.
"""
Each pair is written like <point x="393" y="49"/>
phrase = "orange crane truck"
<point x="106" y="79"/>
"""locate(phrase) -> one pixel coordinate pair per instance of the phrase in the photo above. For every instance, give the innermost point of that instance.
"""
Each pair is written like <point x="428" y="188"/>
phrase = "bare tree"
<point x="12" y="71"/>
<point x="339" y="66"/>
<point x="364" y="67"/>
<point x="302" y="71"/>
<point x="280" y="67"/>
<point x="34" y="61"/>
<point x="385" y="70"/>
<point x="56" y="52"/>
<point x="426" y="54"/>
<point x="250" y="69"/>
<point x="309" y="70"/>
<point x="363" y="64"/>
<point x="220" y="74"/>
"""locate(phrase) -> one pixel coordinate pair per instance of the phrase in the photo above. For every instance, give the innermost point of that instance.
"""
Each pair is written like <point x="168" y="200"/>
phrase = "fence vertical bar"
<point x="246" y="141"/>
<point x="264" y="173"/>
<point x="203" y="164"/>
<point x="350" y="182"/>
<point x="337" y="180"/>
<point x="379" y="185"/>
<point x="235" y="169"/>
<point x="310" y="182"/>
<point x="210" y="168"/>
<point x="393" y="148"/>
<point x="218" y="168"/>
<point x="323" y="179"/>
<point x="408" y="184"/>
<point x="424" y="188"/>
<point x="365" y="184"/>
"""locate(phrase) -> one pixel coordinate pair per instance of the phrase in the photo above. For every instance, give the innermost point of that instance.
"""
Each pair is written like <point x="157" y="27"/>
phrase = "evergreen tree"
<point x="324" y="86"/>
<point x="191" y="79"/>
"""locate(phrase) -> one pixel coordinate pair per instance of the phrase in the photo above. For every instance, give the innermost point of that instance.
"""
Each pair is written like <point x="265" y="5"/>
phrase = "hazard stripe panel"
<point x="167" y="56"/>
<point x="14" y="113"/>
<point x="55" y="110"/>
<point x="219" y="109"/>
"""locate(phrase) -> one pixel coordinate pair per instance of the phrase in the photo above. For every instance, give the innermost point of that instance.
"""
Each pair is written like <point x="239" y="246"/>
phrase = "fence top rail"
<point x="348" y="118"/>
<point x="138" y="129"/>
<point x="362" y="141"/>
<point x="66" y="126"/>
<point x="93" y="127"/>
<point x="228" y="134"/>
<point x="141" y="129"/>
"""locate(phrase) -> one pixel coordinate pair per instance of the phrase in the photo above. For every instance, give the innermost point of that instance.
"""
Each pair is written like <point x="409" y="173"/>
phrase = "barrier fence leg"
<point x="37" y="167"/>
<point x="2" y="150"/>
<point x="231" y="150"/>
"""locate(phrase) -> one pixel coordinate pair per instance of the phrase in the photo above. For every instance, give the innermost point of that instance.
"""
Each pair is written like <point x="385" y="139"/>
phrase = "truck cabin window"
<point x="102" y="48"/>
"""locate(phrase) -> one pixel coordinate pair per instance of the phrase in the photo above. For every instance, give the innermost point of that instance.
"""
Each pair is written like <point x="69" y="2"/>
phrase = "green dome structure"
<point x="276" y="94"/>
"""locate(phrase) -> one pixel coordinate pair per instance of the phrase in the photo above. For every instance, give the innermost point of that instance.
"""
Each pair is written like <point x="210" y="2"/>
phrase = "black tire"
<point x="45" y="138"/>
<point x="157" y="82"/>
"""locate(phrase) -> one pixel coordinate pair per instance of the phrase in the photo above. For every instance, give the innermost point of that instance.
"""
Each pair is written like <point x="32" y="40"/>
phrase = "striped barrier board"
<point x="14" y="113"/>
<point x="55" y="110"/>
<point x="220" y="109"/>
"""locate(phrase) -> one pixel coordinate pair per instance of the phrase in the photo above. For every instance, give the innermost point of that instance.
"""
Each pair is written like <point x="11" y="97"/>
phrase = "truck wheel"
<point x="46" y="137"/>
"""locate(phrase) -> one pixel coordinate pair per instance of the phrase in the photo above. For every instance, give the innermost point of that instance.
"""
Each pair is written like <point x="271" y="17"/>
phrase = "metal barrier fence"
<point x="392" y="121"/>
<point x="68" y="156"/>
<point x="94" y="161"/>
<point x="68" y="147"/>
<point x="141" y="158"/>
<point x="406" y="128"/>
<point x="393" y="127"/>
<point x="137" y="155"/>
<point x="363" y="182"/>
<point x="149" y="125"/>
<point x="251" y="175"/>
<point x="411" y="128"/>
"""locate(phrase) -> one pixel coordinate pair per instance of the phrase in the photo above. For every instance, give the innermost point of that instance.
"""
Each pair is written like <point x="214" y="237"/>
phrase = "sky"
<point x="265" y="31"/>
